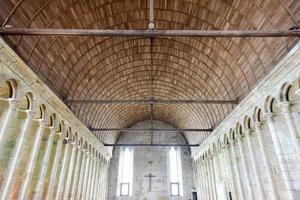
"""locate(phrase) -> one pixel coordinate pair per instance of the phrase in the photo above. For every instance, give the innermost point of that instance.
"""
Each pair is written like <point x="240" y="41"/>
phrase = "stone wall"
<point x="153" y="160"/>
<point x="255" y="152"/>
<point x="45" y="151"/>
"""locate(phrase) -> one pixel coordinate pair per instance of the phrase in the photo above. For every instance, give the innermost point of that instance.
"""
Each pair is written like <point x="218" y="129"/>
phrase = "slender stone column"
<point x="105" y="181"/>
<point x="16" y="156"/>
<point x="199" y="178"/>
<point x="60" y="186"/>
<point x="99" y="179"/>
<point x="76" y="172"/>
<point x="96" y="179"/>
<point x="216" y="163"/>
<point x="32" y="160"/>
<point x="88" y="173"/>
<point x="266" y="160"/>
<point x="238" y="176"/>
<point x="202" y="179"/>
<point x="10" y="114"/>
<point x="279" y="154"/>
<point x="85" y="177"/>
<point x="44" y="165"/>
<point x="213" y="177"/>
<point x="91" y="182"/>
<point x="70" y="171"/>
<point x="209" y="181"/>
<point x="254" y="164"/>
<point x="54" y="168"/>
<point x="245" y="168"/>
<point x="81" y="174"/>
<point x="286" y="109"/>
<point x="230" y="171"/>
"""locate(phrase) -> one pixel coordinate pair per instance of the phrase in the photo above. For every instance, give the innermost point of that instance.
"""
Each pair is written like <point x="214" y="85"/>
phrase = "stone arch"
<point x="239" y="129"/>
<point x="225" y="139"/>
<point x="285" y="92"/>
<point x="41" y="112"/>
<point x="270" y="105"/>
<point x="26" y="102"/>
<point x="257" y="115"/>
<point x="247" y="123"/>
<point x="8" y="89"/>
<point x="232" y="135"/>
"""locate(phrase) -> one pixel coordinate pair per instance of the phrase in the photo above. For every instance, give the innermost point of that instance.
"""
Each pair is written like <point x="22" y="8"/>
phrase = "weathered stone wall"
<point x="45" y="151"/>
<point x="255" y="152"/>
<point x="153" y="160"/>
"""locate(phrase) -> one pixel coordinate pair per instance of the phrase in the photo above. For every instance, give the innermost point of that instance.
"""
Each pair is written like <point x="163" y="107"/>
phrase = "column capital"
<point x="30" y="113"/>
<point x="248" y="131"/>
<point x="285" y="106"/>
<point x="269" y="116"/>
<point x="13" y="103"/>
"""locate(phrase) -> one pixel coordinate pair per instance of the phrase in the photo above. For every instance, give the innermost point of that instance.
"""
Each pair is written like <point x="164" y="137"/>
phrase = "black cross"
<point x="150" y="176"/>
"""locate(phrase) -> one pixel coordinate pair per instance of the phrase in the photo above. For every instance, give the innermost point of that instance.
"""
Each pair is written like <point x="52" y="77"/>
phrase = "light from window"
<point x="125" y="172"/>
<point x="175" y="172"/>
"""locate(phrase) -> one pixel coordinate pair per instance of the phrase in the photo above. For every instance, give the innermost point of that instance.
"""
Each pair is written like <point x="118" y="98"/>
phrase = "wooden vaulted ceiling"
<point x="119" y="68"/>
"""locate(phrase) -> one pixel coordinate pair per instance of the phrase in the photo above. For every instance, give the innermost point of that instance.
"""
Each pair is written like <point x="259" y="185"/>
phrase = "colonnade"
<point x="257" y="158"/>
<point x="42" y="154"/>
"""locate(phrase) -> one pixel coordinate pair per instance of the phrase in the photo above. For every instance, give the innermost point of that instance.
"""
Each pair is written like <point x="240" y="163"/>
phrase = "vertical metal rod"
<point x="151" y="9"/>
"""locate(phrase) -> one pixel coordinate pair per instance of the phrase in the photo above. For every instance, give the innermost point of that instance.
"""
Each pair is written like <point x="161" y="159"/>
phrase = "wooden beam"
<point x="148" y="33"/>
<point x="148" y="101"/>
<point x="151" y="130"/>
<point x="151" y="145"/>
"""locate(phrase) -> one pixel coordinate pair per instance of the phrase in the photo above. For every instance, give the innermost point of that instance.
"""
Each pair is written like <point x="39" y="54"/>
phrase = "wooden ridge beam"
<point x="149" y="101"/>
<point x="149" y="33"/>
<point x="151" y="145"/>
<point x="152" y="129"/>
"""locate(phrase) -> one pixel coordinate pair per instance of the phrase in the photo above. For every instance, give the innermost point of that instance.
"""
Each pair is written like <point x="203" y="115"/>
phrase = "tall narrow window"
<point x="125" y="172"/>
<point x="175" y="172"/>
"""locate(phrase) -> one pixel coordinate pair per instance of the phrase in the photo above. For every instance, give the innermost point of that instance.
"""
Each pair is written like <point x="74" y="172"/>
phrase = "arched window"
<point x="125" y="175"/>
<point x="175" y="172"/>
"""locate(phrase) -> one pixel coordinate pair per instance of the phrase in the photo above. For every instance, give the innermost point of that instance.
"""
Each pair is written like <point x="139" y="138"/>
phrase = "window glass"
<point x="125" y="172"/>
<point x="175" y="172"/>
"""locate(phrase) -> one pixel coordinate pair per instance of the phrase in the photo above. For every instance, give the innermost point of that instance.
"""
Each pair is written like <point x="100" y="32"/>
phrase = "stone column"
<point x="266" y="160"/>
<point x="60" y="186"/>
<point x="200" y="179"/>
<point x="32" y="160"/>
<point x="213" y="178"/>
<point x="285" y="107"/>
<point x="91" y="185"/>
<point x="231" y="174"/>
<point x="99" y="179"/>
<point x="245" y="168"/>
<point x="96" y="179"/>
<point x="44" y="165"/>
<point x="89" y="181"/>
<point x="9" y="116"/>
<point x="105" y="180"/>
<point x="54" y="168"/>
<point x="208" y="178"/>
<point x="16" y="156"/>
<point x="85" y="177"/>
<point x="70" y="171"/>
<point x="279" y="154"/>
<point x="81" y="174"/>
<point x="236" y="168"/>
<point x="254" y="164"/>
<point x="76" y="173"/>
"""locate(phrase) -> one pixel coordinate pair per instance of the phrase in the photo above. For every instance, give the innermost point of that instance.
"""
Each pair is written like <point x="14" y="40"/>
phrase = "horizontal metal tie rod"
<point x="151" y="145"/>
<point x="151" y="130"/>
<point x="148" y="33"/>
<point x="141" y="101"/>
